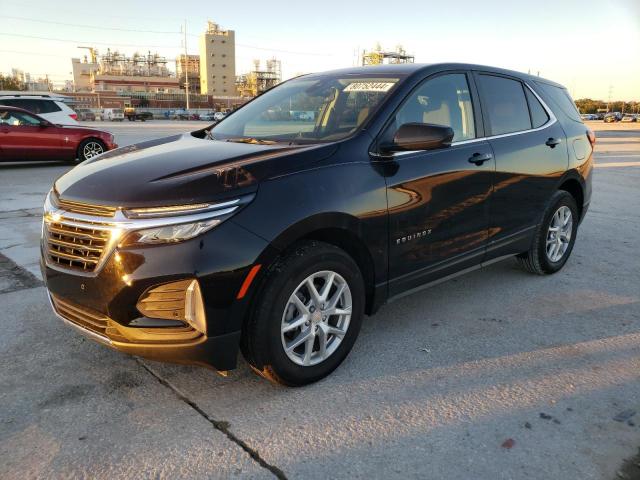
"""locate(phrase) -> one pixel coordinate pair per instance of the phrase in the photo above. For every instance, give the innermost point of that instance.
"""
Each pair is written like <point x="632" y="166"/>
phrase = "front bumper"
<point x="218" y="352"/>
<point x="103" y="306"/>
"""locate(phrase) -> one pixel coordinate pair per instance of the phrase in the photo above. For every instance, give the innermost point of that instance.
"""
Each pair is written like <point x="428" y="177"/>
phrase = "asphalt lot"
<point x="495" y="375"/>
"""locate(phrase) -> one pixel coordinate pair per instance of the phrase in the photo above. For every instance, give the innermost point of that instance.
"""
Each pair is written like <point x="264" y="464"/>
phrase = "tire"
<point x="89" y="148"/>
<point x="263" y="340"/>
<point x="542" y="260"/>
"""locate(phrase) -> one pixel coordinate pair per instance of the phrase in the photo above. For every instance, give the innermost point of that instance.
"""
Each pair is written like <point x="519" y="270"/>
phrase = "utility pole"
<point x="609" y="98"/>
<point x="186" y="65"/>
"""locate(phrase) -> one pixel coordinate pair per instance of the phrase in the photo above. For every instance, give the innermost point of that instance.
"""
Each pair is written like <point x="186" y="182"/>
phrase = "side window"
<point x="17" y="119"/>
<point x="46" y="106"/>
<point x="9" y="102"/>
<point x="538" y="114"/>
<point x="21" y="103"/>
<point x="505" y="104"/>
<point x="443" y="100"/>
<point x="561" y="97"/>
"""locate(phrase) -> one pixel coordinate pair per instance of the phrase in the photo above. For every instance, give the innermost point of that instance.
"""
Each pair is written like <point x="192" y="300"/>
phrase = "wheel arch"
<point x="343" y="231"/>
<point x="573" y="183"/>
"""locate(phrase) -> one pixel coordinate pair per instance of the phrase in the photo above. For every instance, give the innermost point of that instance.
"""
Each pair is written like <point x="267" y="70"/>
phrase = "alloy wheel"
<point x="91" y="149"/>
<point x="316" y="318"/>
<point x="559" y="234"/>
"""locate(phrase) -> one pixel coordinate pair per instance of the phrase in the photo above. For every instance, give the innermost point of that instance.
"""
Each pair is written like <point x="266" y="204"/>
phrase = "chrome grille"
<point x="75" y="247"/>
<point x="85" y="208"/>
<point x="81" y="316"/>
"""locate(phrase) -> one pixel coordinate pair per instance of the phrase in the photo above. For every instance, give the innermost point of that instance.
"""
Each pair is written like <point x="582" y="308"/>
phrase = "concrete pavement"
<point x="495" y="375"/>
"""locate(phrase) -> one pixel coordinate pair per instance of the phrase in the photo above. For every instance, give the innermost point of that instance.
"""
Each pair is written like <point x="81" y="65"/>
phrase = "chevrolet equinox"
<point x="276" y="230"/>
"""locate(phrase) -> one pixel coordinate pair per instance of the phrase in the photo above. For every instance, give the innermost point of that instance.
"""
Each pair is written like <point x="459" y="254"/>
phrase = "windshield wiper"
<point x="257" y="141"/>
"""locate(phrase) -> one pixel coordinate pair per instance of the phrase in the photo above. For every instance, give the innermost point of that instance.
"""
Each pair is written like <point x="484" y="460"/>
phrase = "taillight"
<point x="74" y="116"/>
<point x="592" y="137"/>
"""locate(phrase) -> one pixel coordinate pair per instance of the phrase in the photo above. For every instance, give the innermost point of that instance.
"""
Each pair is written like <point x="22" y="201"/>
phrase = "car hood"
<point x="81" y="129"/>
<point x="182" y="169"/>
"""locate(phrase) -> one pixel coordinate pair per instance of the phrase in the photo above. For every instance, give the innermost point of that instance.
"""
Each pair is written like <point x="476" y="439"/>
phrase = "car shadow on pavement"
<point x="24" y="165"/>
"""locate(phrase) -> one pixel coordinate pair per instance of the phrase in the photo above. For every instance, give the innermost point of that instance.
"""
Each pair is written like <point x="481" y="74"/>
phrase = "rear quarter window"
<point x="47" y="106"/>
<point x="562" y="100"/>
<point x="538" y="114"/>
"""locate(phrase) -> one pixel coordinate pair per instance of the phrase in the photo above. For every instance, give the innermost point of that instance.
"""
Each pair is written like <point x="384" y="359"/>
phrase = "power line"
<point x="279" y="50"/>
<point x="158" y="46"/>
<point x="100" y="27"/>
<point x="39" y="54"/>
<point x="20" y="3"/>
<point x="85" y="41"/>
<point x="285" y="51"/>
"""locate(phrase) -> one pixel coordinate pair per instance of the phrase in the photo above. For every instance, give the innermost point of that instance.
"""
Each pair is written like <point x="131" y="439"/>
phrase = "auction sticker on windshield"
<point x="369" y="87"/>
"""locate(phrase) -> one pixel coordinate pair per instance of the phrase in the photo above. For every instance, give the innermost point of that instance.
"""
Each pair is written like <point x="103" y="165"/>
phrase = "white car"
<point x="219" y="116"/>
<point x="50" y="107"/>
<point x="113" y="114"/>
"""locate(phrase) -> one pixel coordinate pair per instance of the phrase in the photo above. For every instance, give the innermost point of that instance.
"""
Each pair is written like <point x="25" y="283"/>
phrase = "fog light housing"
<point x="180" y="300"/>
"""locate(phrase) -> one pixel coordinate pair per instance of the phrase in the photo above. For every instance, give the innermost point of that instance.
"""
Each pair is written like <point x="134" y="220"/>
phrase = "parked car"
<point x="113" y="114"/>
<point x="85" y="115"/>
<point x="612" y="117"/>
<point x="628" y="118"/>
<point x="49" y="107"/>
<point x="187" y="116"/>
<point x="276" y="238"/>
<point x="132" y="115"/>
<point x="26" y="136"/>
<point x="588" y="116"/>
<point x="208" y="117"/>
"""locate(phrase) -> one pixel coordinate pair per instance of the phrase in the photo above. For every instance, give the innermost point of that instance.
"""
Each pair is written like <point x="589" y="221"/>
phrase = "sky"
<point x="590" y="46"/>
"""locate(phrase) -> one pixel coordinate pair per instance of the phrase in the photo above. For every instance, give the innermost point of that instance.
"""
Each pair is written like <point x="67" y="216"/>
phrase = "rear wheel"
<point x="89" y="148"/>
<point x="554" y="237"/>
<point x="307" y="316"/>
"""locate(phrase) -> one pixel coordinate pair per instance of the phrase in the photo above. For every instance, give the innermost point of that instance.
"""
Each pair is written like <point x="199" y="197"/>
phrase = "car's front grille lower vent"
<point x="85" y="208"/>
<point x="83" y="317"/>
<point x="74" y="247"/>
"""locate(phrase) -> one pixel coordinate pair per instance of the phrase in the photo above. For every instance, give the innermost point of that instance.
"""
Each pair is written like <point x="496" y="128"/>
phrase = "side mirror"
<point x="419" y="136"/>
<point x="44" y="124"/>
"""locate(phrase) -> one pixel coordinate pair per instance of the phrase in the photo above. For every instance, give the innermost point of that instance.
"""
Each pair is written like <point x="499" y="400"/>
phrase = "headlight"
<point x="176" y="223"/>
<point x="169" y="233"/>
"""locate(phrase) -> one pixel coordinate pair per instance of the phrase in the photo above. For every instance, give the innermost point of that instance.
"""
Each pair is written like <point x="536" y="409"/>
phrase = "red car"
<point x="27" y="136"/>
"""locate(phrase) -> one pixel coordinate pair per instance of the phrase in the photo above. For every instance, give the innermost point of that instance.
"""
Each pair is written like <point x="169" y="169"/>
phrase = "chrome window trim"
<point x="121" y="225"/>
<point x="552" y="120"/>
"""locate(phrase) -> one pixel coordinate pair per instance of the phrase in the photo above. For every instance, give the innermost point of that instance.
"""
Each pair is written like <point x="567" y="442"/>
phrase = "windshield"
<point x="307" y="110"/>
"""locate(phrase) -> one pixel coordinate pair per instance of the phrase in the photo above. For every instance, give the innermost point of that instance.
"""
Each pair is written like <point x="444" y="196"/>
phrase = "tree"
<point x="10" y="83"/>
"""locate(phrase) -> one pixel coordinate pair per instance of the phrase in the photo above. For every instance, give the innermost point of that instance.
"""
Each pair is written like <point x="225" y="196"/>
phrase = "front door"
<point x="26" y="137"/>
<point x="438" y="210"/>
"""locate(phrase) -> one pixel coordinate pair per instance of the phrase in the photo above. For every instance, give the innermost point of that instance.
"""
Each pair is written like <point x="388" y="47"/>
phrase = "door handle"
<point x="480" y="158"/>
<point x="552" y="142"/>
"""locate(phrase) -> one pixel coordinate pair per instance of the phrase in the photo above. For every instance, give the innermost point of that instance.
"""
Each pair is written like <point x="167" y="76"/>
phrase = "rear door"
<point x="438" y="215"/>
<point x="530" y="151"/>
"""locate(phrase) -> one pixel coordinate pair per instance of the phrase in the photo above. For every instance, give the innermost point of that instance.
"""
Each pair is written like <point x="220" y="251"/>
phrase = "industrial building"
<point x="117" y="72"/>
<point x="378" y="57"/>
<point x="145" y="80"/>
<point x="259" y="79"/>
<point x="217" y="61"/>
<point x="188" y="67"/>
<point x="30" y="83"/>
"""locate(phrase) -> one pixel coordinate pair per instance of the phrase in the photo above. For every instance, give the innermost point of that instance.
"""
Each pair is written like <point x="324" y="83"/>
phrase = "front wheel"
<point x="89" y="148"/>
<point x="554" y="237"/>
<point x="307" y="316"/>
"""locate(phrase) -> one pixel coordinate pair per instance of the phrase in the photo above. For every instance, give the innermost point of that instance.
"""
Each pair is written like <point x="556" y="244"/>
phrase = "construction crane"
<point x="93" y="52"/>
